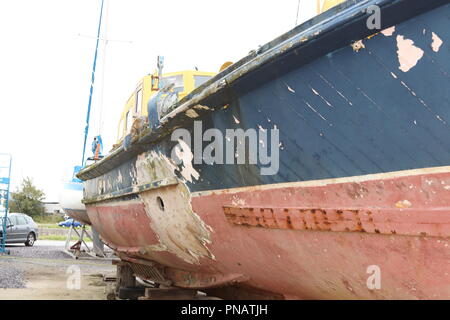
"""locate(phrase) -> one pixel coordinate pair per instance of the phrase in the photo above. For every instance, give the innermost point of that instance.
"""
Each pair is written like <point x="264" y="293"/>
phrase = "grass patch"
<point x="48" y="219"/>
<point x="61" y="238"/>
<point x="48" y="225"/>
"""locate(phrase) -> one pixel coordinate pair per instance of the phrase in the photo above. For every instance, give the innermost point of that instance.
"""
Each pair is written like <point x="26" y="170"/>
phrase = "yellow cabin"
<point x="136" y="106"/>
<point x="324" y="5"/>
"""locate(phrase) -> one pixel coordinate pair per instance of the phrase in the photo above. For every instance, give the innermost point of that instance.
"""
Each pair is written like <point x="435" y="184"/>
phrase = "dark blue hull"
<point x="351" y="113"/>
<point x="345" y="113"/>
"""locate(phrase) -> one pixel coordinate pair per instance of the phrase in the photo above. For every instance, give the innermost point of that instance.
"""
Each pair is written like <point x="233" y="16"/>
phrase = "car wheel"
<point x="30" y="240"/>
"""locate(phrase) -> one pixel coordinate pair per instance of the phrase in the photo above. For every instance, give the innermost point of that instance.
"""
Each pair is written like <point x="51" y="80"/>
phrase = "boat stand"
<point x="80" y="247"/>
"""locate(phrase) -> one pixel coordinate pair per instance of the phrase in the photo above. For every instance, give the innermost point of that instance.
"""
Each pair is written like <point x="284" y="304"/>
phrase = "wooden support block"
<point x="125" y="276"/>
<point x="169" y="294"/>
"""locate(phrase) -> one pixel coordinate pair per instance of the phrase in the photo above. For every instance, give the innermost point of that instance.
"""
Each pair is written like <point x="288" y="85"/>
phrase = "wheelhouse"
<point x="136" y="105"/>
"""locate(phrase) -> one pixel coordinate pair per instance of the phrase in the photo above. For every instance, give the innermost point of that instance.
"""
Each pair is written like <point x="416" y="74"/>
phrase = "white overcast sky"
<point x="46" y="59"/>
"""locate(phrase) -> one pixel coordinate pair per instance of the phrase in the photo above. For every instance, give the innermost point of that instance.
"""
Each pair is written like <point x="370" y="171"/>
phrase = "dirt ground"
<point x="39" y="273"/>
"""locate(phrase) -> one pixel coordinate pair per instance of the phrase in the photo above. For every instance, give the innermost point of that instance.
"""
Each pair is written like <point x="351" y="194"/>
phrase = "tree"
<point x="27" y="199"/>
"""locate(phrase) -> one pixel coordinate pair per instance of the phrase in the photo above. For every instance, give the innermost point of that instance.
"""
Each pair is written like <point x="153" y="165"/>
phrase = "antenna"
<point x="298" y="10"/>
<point x="160" y="65"/>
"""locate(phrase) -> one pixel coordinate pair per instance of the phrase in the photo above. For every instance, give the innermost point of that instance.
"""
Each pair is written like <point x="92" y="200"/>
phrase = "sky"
<point x="46" y="56"/>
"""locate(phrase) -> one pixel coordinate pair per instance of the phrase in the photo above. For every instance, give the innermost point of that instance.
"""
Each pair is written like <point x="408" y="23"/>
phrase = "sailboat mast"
<point x="91" y="91"/>
<point x="102" y="67"/>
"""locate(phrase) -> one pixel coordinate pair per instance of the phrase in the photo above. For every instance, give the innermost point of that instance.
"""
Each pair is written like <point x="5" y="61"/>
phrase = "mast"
<point x="91" y="91"/>
<point x="103" y="62"/>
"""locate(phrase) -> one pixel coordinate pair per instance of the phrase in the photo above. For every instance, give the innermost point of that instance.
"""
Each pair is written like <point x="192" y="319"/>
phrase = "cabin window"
<point x="177" y="80"/>
<point x="199" y="80"/>
<point x="121" y="128"/>
<point x="129" y="118"/>
<point x="138" y="107"/>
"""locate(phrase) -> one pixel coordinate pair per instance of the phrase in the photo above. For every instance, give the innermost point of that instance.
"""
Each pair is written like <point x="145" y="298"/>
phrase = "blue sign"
<point x="4" y="180"/>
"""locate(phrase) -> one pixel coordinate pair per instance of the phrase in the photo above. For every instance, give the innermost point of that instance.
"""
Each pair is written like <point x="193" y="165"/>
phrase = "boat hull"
<point x="323" y="249"/>
<point x="70" y="198"/>
<point x="359" y="205"/>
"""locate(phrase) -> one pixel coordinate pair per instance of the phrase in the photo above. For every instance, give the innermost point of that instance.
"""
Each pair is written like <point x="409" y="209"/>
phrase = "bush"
<point x="27" y="199"/>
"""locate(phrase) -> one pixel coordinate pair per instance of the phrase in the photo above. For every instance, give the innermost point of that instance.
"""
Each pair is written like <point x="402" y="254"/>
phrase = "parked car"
<point x="68" y="222"/>
<point x="20" y="229"/>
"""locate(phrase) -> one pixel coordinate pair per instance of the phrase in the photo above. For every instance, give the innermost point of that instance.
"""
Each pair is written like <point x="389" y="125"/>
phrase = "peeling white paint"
<point x="403" y="204"/>
<point x="316" y="112"/>
<point x="358" y="45"/>
<point x="236" y="120"/>
<point x="192" y="114"/>
<point x="318" y="94"/>
<point x="437" y="42"/>
<point x="408" y="54"/>
<point x="422" y="102"/>
<point x="153" y="167"/>
<point x="201" y="107"/>
<point x="119" y="177"/>
<point x="236" y="201"/>
<point x="290" y="89"/>
<point x="388" y="31"/>
<point x="186" y="156"/>
<point x="179" y="230"/>
<point x="334" y="88"/>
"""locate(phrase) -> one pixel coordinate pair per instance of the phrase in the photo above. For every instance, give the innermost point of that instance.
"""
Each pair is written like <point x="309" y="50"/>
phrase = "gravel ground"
<point x="11" y="277"/>
<point x="13" y="272"/>
<point x="41" y="252"/>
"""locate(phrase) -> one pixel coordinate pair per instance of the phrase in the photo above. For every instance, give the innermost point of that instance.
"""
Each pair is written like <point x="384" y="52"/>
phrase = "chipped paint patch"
<point x="179" y="230"/>
<point x="236" y="120"/>
<point x="237" y="201"/>
<point x="192" y="114"/>
<point x="201" y="107"/>
<point x="152" y="166"/>
<point x="290" y="89"/>
<point x="358" y="45"/>
<point x="437" y="42"/>
<point x="119" y="177"/>
<point x="316" y="112"/>
<point x="186" y="156"/>
<point x="388" y="31"/>
<point x="408" y="54"/>
<point x="403" y="204"/>
<point x="318" y="94"/>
